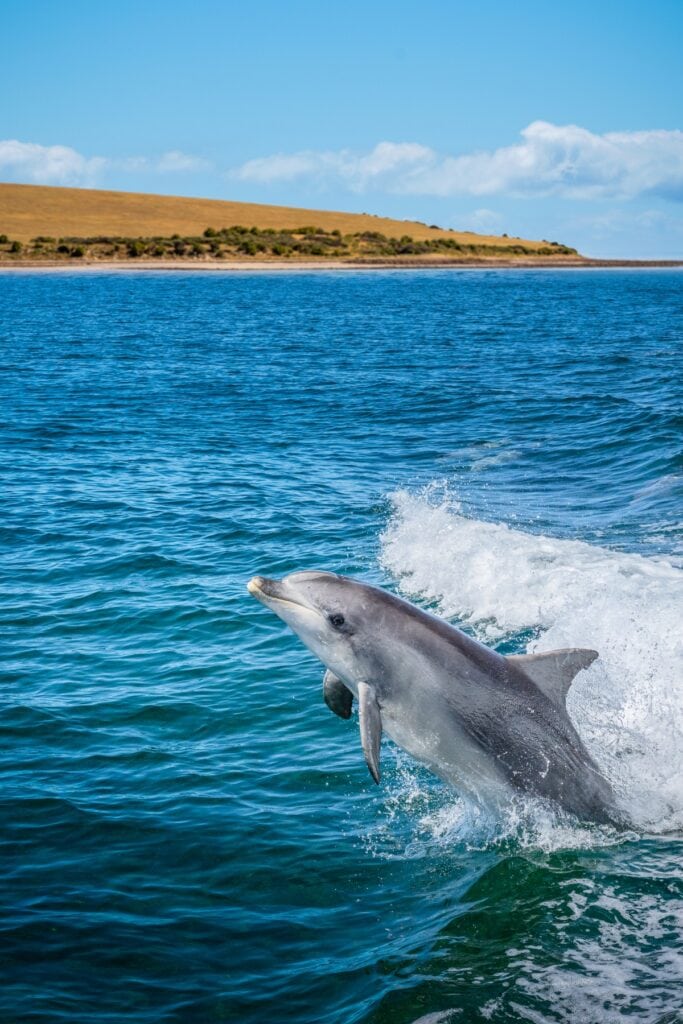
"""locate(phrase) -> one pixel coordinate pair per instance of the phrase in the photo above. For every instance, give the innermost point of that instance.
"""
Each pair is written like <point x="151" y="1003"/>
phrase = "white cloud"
<point x="548" y="160"/>
<point x="561" y="160"/>
<point x="61" y="165"/>
<point x="383" y="165"/>
<point x="58" y="165"/>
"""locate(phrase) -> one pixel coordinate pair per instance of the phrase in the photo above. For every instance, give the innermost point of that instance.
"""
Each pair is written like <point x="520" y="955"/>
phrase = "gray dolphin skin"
<point x="487" y="724"/>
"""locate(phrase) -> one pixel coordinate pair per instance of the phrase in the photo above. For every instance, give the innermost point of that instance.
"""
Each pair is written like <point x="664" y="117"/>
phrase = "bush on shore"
<point x="303" y="242"/>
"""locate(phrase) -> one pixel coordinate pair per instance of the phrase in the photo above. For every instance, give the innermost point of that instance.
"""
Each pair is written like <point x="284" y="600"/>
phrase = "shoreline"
<point x="287" y="266"/>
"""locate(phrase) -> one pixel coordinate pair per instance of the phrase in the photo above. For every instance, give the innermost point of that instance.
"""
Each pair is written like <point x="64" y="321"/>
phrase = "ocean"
<point x="187" y="834"/>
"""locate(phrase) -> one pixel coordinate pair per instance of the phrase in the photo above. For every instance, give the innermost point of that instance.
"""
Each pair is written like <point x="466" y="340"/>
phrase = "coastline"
<point x="287" y="266"/>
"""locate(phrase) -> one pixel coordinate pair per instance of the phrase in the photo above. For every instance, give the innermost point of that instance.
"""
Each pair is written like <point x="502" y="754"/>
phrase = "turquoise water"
<point x="187" y="833"/>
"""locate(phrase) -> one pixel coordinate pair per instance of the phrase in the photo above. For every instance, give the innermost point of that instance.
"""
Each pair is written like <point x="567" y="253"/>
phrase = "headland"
<point x="46" y="227"/>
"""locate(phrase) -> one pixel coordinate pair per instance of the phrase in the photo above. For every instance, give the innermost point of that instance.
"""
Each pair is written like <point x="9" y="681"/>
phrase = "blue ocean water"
<point x="186" y="833"/>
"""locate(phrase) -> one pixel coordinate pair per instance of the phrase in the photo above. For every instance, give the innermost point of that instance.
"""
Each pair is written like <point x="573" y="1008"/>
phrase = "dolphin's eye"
<point x="337" y="620"/>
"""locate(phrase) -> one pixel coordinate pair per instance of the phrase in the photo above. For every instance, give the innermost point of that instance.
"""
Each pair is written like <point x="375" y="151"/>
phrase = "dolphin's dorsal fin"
<point x="337" y="696"/>
<point x="370" y="727"/>
<point x="553" y="671"/>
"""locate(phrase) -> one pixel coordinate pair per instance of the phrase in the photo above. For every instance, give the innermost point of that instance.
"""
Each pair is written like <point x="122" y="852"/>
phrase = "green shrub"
<point x="4" y="239"/>
<point x="78" y="251"/>
<point x="15" y="247"/>
<point x="210" y="233"/>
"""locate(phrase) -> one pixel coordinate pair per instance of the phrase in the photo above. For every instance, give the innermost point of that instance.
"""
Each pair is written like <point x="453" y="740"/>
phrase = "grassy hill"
<point x="72" y="214"/>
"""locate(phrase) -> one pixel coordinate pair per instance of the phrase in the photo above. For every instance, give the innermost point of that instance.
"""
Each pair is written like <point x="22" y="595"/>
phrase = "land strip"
<point x="51" y="228"/>
<point x="301" y="243"/>
<point x="27" y="211"/>
<point x="280" y="266"/>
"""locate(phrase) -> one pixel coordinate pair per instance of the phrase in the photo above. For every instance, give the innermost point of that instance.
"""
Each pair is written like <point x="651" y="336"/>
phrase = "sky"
<point x="539" y="119"/>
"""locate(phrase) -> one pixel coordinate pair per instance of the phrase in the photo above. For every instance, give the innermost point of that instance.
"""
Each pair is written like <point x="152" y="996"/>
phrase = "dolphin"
<point x="487" y="724"/>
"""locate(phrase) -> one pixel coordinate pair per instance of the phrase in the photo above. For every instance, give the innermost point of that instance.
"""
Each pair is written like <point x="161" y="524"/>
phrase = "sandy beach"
<point x="290" y="266"/>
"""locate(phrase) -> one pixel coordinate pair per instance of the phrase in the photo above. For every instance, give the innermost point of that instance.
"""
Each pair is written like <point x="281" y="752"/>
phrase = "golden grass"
<point x="30" y="210"/>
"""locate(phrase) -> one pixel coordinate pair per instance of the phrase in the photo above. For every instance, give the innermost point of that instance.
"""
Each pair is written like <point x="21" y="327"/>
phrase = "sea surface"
<point x="187" y="834"/>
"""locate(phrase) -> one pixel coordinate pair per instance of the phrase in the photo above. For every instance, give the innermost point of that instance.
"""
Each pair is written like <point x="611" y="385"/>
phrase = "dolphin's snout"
<point x="255" y="585"/>
<point x="261" y="586"/>
<point x="276" y="594"/>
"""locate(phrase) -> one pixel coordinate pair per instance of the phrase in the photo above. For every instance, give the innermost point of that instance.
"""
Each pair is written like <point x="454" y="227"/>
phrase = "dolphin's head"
<point x="330" y="614"/>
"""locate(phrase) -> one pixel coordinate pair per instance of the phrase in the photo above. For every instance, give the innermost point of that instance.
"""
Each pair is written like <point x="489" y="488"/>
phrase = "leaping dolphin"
<point x="489" y="725"/>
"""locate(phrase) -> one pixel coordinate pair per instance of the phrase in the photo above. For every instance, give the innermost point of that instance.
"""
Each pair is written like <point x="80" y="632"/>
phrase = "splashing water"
<point x="419" y="817"/>
<point x="502" y="584"/>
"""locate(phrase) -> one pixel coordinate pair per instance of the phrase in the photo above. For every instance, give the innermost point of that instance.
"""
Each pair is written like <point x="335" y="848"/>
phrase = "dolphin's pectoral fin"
<point x="370" y="727"/>
<point x="553" y="671"/>
<point x="337" y="696"/>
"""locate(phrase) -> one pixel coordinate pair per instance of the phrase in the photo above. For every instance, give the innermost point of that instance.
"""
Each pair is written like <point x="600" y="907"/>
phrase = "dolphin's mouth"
<point x="268" y="591"/>
<point x="257" y="586"/>
<point x="261" y="587"/>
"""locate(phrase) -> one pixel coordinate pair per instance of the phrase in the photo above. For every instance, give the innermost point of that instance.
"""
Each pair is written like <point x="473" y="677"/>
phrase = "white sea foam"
<point x="419" y="817"/>
<point x="498" y="581"/>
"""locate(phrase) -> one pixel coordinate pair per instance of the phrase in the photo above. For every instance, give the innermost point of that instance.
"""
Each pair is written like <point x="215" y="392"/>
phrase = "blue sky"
<point x="560" y="121"/>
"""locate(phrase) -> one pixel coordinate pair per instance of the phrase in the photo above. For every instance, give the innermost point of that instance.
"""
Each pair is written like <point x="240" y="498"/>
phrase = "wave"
<point x="518" y="591"/>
